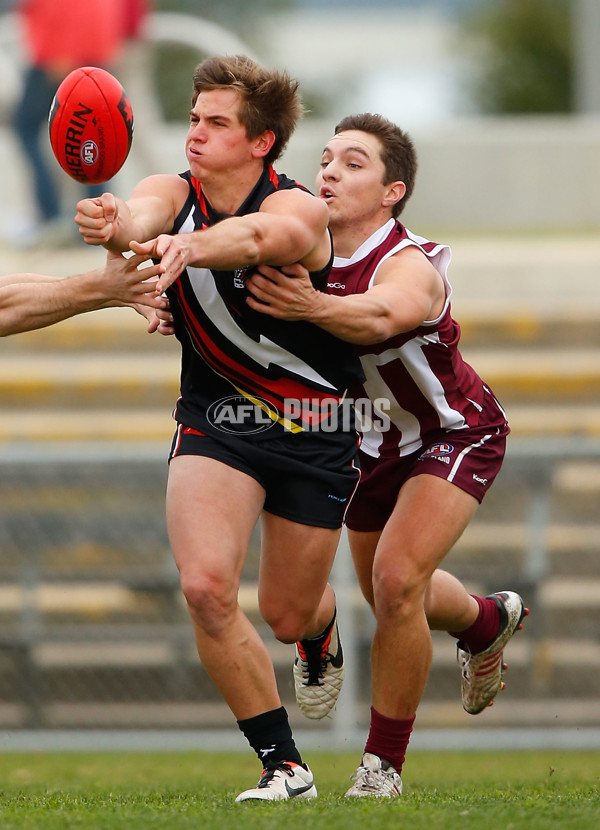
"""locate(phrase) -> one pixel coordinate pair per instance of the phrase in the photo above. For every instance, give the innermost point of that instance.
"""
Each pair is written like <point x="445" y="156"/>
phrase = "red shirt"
<point x="61" y="34"/>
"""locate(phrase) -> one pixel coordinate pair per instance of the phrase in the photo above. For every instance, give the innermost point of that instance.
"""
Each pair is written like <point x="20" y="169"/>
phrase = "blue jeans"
<point x="30" y="116"/>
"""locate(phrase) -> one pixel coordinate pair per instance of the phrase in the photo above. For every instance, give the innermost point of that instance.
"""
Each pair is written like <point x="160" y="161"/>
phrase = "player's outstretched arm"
<point x="110" y="221"/>
<point x="291" y="226"/>
<point x="407" y="291"/>
<point x="34" y="301"/>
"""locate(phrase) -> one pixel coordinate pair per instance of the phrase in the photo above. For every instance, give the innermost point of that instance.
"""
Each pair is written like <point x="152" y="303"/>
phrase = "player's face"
<point x="216" y="141"/>
<point x="350" y="180"/>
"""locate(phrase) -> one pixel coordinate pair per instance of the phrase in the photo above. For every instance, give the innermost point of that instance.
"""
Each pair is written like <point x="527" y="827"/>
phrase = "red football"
<point x="91" y="125"/>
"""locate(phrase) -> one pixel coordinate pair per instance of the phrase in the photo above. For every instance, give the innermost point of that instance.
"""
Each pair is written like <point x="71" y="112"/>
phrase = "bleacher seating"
<point x="94" y="630"/>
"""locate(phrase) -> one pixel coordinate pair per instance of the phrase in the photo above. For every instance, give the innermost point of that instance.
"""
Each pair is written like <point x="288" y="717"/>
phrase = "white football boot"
<point x="375" y="778"/>
<point x="482" y="673"/>
<point x="281" y="781"/>
<point x="318" y="674"/>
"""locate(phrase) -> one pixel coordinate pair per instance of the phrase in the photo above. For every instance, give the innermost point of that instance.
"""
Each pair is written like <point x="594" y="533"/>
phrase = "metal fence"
<point x="95" y="633"/>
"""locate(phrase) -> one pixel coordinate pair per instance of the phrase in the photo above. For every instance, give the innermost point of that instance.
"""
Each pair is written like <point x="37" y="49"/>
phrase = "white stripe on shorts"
<point x="462" y="454"/>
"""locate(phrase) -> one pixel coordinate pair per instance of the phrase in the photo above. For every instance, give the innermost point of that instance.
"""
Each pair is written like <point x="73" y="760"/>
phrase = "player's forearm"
<point x="139" y="219"/>
<point x="26" y="306"/>
<point x="126" y="227"/>
<point x="238" y="242"/>
<point x="14" y="279"/>
<point x="357" y="319"/>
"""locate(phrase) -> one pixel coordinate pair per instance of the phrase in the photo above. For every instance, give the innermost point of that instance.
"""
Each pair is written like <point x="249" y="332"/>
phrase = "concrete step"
<point x="508" y="323"/>
<point x="497" y="324"/>
<point x="127" y="424"/>
<point x="534" y="375"/>
<point x="557" y="601"/>
<point x="577" y="489"/>
<point x="508" y="535"/>
<point x="578" y="477"/>
<point x="89" y="380"/>
<point x="142" y="413"/>
<point x="556" y="666"/>
<point x="104" y="331"/>
<point x="496" y="554"/>
<point x="554" y="418"/>
<point x="522" y="712"/>
<point x="523" y="376"/>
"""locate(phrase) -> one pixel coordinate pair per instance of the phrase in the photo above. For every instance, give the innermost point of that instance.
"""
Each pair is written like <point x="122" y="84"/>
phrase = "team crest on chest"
<point x="239" y="277"/>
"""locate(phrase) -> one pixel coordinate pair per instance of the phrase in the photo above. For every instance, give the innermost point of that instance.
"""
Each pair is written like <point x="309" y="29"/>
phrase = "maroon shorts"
<point x="469" y="458"/>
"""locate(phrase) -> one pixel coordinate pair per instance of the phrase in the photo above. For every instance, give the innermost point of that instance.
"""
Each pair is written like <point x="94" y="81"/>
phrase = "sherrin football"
<point x="91" y="125"/>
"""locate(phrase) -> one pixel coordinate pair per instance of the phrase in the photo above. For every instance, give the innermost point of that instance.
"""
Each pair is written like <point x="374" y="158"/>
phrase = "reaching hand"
<point x="156" y="322"/>
<point x="174" y="255"/>
<point x="285" y="293"/>
<point x="125" y="281"/>
<point x="165" y="321"/>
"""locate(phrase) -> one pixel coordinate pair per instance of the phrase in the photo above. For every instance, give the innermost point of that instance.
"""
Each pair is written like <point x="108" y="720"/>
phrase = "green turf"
<point x="533" y="790"/>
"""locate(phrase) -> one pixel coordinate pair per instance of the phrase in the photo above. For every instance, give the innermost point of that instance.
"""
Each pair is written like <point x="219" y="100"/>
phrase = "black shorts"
<point x="306" y="480"/>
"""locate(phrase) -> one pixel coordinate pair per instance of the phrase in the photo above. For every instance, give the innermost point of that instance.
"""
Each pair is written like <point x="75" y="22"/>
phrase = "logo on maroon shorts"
<point x="436" y="450"/>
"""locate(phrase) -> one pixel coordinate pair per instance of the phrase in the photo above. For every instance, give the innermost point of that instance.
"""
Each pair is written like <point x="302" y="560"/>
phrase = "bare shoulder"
<point x="162" y="185"/>
<point x="296" y="200"/>
<point x="410" y="274"/>
<point x="408" y="263"/>
<point x="156" y="201"/>
<point x="303" y="218"/>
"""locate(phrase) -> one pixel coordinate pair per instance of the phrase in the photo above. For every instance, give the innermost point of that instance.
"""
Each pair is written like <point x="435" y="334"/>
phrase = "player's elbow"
<point x="378" y="330"/>
<point x="382" y="331"/>
<point x="254" y="252"/>
<point x="277" y="242"/>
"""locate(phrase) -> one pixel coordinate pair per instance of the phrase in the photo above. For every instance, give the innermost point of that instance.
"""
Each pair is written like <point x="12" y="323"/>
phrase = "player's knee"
<point x="287" y="624"/>
<point x="288" y="631"/>
<point x="398" y="593"/>
<point x="210" y="599"/>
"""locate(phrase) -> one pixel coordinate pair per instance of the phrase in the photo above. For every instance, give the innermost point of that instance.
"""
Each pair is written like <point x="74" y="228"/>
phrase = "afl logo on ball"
<point x="89" y="152"/>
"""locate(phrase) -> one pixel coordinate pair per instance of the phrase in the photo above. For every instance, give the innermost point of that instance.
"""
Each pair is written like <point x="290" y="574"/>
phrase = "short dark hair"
<point x="398" y="153"/>
<point x="269" y="98"/>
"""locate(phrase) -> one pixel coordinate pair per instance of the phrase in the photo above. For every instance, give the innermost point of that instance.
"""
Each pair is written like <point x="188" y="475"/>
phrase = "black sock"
<point x="270" y="736"/>
<point x="320" y="638"/>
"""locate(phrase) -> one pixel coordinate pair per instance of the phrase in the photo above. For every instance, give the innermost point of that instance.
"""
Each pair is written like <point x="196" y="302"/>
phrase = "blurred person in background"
<point x="425" y="470"/>
<point x="59" y="36"/>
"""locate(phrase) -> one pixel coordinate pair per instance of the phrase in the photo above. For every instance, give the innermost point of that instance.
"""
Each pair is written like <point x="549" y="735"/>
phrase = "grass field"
<point x="445" y="791"/>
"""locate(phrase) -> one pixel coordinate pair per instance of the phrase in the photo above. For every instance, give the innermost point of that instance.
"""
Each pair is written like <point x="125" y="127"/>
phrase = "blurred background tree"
<point x="525" y="56"/>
